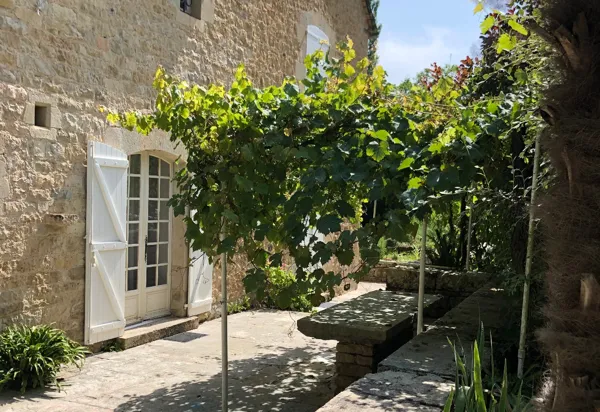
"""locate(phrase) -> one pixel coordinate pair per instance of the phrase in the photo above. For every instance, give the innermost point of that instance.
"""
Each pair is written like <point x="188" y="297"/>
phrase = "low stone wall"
<point x="420" y="375"/>
<point x="453" y="285"/>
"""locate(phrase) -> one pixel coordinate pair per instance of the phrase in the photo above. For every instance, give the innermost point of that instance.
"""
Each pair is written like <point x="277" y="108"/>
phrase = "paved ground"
<point x="273" y="367"/>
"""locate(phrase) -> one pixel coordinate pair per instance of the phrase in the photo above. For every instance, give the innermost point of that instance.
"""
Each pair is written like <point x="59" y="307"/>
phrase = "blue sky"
<point x="417" y="33"/>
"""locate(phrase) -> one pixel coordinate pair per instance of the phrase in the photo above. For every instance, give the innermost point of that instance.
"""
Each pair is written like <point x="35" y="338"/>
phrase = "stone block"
<point x="426" y="389"/>
<point x="342" y="382"/>
<point x="342" y="357"/>
<point x="348" y="369"/>
<point x="158" y="329"/>
<point x="365" y="361"/>
<point x="7" y="4"/>
<point x="4" y="180"/>
<point x="461" y="283"/>
<point x="353" y="399"/>
<point x="43" y="133"/>
<point x="364" y="350"/>
<point x="55" y="118"/>
<point x="406" y="279"/>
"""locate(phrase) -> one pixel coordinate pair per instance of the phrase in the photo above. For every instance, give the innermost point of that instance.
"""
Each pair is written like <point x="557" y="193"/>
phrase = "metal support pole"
<point x="421" y="298"/>
<point x="224" y="357"/>
<point x="374" y="209"/>
<point x="529" y="260"/>
<point x="470" y="229"/>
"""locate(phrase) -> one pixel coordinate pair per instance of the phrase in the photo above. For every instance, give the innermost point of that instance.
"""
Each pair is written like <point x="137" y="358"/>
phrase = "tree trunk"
<point x="571" y="214"/>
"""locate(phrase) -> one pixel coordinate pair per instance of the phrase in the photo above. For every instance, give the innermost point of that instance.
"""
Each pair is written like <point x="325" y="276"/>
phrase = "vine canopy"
<point x="267" y="167"/>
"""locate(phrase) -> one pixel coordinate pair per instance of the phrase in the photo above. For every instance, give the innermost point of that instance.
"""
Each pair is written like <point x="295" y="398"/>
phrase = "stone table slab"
<point x="373" y="318"/>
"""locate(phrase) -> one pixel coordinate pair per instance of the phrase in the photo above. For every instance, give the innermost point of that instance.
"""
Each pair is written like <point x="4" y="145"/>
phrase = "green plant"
<point x="238" y="306"/>
<point x="476" y="391"/>
<point x="31" y="356"/>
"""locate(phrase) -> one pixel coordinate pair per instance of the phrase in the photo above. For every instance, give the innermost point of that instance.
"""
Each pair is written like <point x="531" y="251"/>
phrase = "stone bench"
<point x="420" y="375"/>
<point x="367" y="328"/>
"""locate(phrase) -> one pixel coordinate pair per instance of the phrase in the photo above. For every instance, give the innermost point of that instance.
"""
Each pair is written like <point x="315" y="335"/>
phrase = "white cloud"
<point x="402" y="58"/>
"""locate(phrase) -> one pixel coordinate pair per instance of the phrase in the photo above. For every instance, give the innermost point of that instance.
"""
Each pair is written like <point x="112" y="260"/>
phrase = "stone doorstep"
<point x="156" y="329"/>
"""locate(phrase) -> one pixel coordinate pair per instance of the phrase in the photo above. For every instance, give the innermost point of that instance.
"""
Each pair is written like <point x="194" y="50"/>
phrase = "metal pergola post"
<point x="224" y="350"/>
<point x="421" y="297"/>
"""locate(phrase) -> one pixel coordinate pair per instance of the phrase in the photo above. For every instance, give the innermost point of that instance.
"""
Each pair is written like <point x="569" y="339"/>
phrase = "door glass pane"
<point x="152" y="210"/>
<point x="134" y="210"/>
<point x="134" y="186"/>
<point x="135" y="164"/>
<point x="151" y="276"/>
<point x="153" y="188"/>
<point x="133" y="235"/>
<point x="153" y="166"/>
<point x="164" y="210"/>
<point x="162" y="275"/>
<point x="132" y="279"/>
<point x="132" y="256"/>
<point x="152" y="232"/>
<point x="164" y="232"/>
<point x="133" y="215"/>
<point x="164" y="188"/>
<point x="165" y="170"/>
<point x="163" y="253"/>
<point x="151" y="255"/>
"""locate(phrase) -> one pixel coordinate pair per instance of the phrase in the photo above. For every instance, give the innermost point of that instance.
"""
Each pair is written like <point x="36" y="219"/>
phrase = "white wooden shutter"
<point x="106" y="243"/>
<point x="312" y="231"/>
<point x="199" y="282"/>
<point x="314" y="36"/>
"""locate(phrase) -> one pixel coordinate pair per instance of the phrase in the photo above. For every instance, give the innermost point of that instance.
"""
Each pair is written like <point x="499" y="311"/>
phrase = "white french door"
<point x="149" y="221"/>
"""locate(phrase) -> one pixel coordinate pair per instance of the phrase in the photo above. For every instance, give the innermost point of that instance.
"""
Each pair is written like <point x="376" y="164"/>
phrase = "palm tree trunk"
<point x="571" y="213"/>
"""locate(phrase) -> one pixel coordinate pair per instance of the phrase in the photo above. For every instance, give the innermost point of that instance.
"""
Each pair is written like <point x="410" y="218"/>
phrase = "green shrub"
<point x="31" y="356"/>
<point x="280" y="282"/>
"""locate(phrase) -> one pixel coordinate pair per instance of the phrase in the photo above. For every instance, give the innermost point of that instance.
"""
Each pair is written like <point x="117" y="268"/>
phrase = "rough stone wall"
<point x="74" y="55"/>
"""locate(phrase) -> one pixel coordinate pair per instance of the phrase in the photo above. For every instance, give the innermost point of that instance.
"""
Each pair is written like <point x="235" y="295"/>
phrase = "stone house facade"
<point x="67" y="179"/>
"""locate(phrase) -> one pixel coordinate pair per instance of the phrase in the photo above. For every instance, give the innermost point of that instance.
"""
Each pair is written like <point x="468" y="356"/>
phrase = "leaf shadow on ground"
<point x="295" y="380"/>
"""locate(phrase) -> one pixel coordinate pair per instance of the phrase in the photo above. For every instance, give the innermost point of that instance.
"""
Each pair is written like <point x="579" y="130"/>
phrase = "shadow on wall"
<point x="298" y="380"/>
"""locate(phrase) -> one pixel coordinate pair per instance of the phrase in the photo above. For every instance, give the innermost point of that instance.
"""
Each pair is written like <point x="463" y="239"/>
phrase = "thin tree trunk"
<point x="529" y="261"/>
<point x="462" y="239"/>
